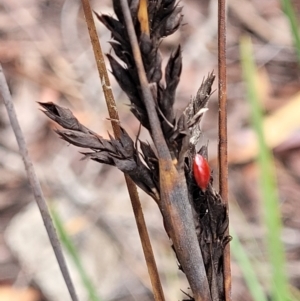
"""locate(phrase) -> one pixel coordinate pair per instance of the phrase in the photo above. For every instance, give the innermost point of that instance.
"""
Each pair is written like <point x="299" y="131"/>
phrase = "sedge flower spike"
<point x="201" y="171"/>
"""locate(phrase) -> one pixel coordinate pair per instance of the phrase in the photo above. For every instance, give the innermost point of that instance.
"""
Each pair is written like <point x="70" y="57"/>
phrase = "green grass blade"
<point x="290" y="13"/>
<point x="69" y="246"/>
<point x="270" y="199"/>
<point x="246" y="267"/>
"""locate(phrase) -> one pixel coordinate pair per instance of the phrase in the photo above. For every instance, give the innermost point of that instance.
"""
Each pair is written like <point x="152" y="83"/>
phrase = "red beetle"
<point x="201" y="171"/>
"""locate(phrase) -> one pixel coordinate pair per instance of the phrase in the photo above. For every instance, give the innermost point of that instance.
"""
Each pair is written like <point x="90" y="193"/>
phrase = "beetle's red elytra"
<point x="201" y="171"/>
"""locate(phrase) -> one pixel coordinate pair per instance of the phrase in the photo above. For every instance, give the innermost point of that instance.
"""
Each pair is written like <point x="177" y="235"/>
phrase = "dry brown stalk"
<point x="133" y="194"/>
<point x="223" y="160"/>
<point x="35" y="185"/>
<point x="174" y="203"/>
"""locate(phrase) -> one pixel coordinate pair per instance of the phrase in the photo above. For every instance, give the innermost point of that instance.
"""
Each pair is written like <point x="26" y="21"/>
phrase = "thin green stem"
<point x="270" y="198"/>
<point x="290" y="13"/>
<point x="67" y="242"/>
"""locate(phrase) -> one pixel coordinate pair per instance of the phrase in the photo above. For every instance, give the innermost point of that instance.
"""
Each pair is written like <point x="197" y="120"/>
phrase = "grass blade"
<point x="290" y="13"/>
<point x="270" y="199"/>
<point x="68" y="244"/>
<point x="246" y="266"/>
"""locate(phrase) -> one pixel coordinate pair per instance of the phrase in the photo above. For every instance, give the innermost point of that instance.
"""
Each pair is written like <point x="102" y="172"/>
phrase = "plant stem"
<point x="35" y="185"/>
<point x="132" y="190"/>
<point x="223" y="160"/>
<point x="272" y="217"/>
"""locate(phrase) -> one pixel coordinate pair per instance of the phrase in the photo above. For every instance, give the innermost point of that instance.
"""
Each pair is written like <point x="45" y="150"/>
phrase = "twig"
<point x="113" y="114"/>
<point x="174" y="203"/>
<point x="35" y="185"/>
<point x="223" y="162"/>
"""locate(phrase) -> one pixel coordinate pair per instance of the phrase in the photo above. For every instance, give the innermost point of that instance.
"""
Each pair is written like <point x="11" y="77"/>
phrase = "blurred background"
<point x="46" y="56"/>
